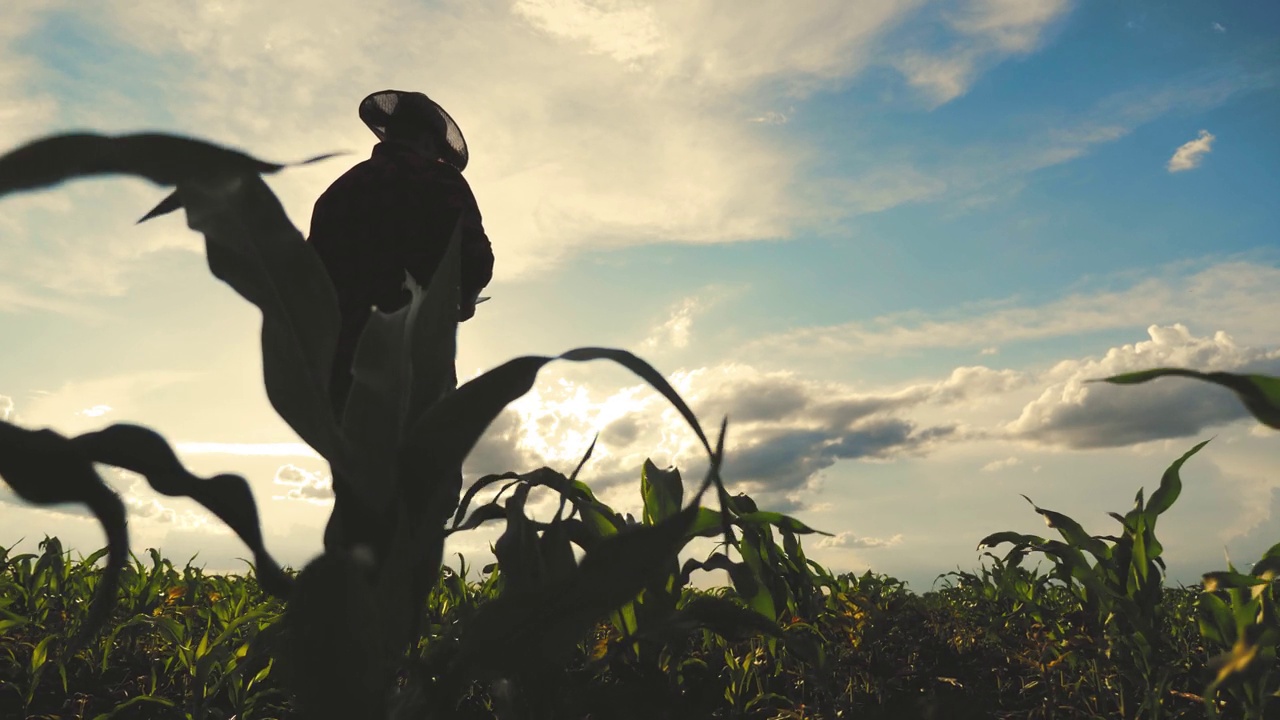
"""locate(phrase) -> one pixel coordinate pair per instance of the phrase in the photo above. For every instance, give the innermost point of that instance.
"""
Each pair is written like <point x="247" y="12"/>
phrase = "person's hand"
<point x="466" y="311"/>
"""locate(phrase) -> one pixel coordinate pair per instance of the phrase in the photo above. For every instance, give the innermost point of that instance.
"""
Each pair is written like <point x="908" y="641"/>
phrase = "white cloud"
<point x="1074" y="413"/>
<point x="996" y="465"/>
<point x="943" y="79"/>
<point x="625" y="32"/>
<point x="674" y="332"/>
<point x="63" y="408"/>
<point x="847" y="539"/>
<point x="600" y="123"/>
<point x="1189" y="154"/>
<point x="989" y="351"/>
<point x="6" y="407"/>
<point x="1232" y="293"/>
<point x="1011" y="26"/>
<point x="1218" y="27"/>
<point x="987" y="31"/>
<point x="774" y="117"/>
<point x="95" y="411"/>
<point x="305" y="485"/>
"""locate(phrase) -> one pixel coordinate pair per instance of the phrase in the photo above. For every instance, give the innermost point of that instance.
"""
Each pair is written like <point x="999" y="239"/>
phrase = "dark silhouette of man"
<point x="395" y="212"/>
<point x="392" y="213"/>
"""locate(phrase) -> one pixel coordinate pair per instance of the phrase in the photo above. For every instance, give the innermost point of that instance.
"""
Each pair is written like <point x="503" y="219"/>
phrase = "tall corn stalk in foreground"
<point x="1237" y="612"/>
<point x="397" y="452"/>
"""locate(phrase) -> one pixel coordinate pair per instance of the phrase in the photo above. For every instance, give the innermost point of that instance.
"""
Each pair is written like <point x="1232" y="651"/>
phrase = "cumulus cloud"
<point x="987" y="31"/>
<point x="1189" y="154"/>
<point x="674" y="332"/>
<point x="1076" y="414"/>
<point x="1218" y="27"/>
<point x="996" y="465"/>
<point x="784" y="430"/>
<point x="6" y="407"/>
<point x="847" y="539"/>
<point x="302" y="484"/>
<point x="601" y="123"/>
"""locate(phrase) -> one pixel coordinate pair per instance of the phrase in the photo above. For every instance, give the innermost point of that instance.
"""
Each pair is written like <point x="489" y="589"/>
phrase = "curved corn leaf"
<point x="144" y="451"/>
<point x="162" y="159"/>
<point x="43" y="468"/>
<point x="252" y="247"/>
<point x="516" y="632"/>
<point x="1259" y="393"/>
<point x="1170" y="487"/>
<point x="782" y="522"/>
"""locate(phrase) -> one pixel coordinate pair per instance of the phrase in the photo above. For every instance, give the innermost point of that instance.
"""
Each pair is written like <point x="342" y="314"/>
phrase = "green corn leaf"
<point x="519" y="631"/>
<point x="1072" y="532"/>
<point x="723" y="617"/>
<point x="1268" y="563"/>
<point x="779" y="520"/>
<point x="707" y="524"/>
<point x="1259" y="393"/>
<point x="133" y="701"/>
<point x="1170" y="486"/>
<point x="1008" y="536"/>
<point x="1226" y="580"/>
<point x="662" y="492"/>
<point x="145" y="452"/>
<point x="1215" y="620"/>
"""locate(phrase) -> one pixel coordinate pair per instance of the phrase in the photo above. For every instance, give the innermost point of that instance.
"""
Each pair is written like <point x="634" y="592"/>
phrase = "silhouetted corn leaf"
<point x="520" y="631"/>
<point x="439" y="441"/>
<point x="1259" y="393"/>
<point x="252" y="247"/>
<point x="144" y="451"/>
<point x="433" y="331"/>
<point x="162" y="159"/>
<point x="780" y="521"/>
<point x="43" y="468"/>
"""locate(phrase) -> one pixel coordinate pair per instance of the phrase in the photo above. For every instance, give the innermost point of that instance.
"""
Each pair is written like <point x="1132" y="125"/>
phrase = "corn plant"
<point x="1120" y="589"/>
<point x="396" y="454"/>
<point x="1244" y="622"/>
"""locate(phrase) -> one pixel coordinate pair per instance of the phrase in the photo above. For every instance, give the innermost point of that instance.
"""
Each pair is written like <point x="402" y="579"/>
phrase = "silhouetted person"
<point x="392" y="213"/>
<point x="395" y="212"/>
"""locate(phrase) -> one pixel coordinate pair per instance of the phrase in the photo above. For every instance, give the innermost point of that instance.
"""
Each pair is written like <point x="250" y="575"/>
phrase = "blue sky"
<point x="890" y="240"/>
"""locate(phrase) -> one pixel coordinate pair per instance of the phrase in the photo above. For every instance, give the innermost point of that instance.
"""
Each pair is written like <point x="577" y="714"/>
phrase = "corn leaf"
<point x="1259" y="393"/>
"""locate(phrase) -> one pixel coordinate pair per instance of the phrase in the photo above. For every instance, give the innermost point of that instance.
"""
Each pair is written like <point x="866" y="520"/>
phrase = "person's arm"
<point x="477" y="256"/>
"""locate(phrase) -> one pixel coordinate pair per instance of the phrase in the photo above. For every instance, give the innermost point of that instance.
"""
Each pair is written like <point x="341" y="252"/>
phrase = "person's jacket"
<point x="391" y="213"/>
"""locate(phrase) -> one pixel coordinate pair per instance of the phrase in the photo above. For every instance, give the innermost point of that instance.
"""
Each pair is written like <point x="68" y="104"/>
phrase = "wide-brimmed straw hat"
<point x="394" y="107"/>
